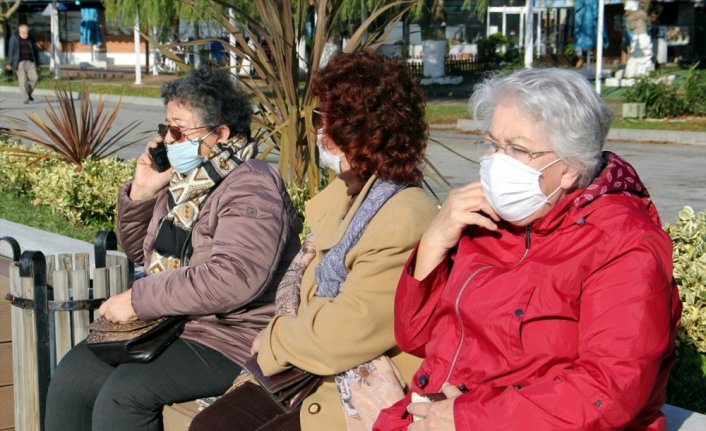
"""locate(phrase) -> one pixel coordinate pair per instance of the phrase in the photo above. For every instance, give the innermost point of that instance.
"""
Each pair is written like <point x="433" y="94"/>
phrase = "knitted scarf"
<point x="331" y="271"/>
<point x="186" y="193"/>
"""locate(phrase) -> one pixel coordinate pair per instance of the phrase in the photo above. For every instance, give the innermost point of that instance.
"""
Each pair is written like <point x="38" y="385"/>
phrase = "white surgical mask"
<point x="184" y="157"/>
<point x="326" y="158"/>
<point x="512" y="187"/>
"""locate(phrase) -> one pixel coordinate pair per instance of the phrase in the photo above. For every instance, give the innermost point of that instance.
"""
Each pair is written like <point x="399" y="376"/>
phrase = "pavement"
<point x="671" y="164"/>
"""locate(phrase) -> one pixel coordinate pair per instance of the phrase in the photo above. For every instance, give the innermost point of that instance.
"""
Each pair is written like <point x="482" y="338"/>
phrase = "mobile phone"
<point x="159" y="157"/>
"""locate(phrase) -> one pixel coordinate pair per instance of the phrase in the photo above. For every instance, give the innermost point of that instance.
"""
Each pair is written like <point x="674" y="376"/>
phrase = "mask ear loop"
<point x="546" y="166"/>
<point x="559" y="187"/>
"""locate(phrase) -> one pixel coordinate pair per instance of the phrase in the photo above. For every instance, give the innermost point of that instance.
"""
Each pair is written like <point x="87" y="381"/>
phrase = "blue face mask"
<point x="184" y="157"/>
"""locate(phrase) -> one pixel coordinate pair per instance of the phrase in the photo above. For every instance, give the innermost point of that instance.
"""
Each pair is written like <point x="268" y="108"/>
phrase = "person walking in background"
<point x="24" y="58"/>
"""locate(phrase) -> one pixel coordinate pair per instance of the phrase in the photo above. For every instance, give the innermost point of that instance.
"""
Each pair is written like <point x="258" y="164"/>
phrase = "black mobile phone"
<point x="159" y="157"/>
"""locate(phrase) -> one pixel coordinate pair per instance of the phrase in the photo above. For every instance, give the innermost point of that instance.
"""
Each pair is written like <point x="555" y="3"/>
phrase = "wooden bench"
<point x="177" y="417"/>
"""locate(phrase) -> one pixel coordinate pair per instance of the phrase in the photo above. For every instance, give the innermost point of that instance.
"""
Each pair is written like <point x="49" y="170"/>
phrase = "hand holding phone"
<point x="159" y="157"/>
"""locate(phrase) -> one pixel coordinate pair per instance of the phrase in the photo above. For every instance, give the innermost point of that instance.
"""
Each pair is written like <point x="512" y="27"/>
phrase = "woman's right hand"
<point x="464" y="206"/>
<point x="148" y="182"/>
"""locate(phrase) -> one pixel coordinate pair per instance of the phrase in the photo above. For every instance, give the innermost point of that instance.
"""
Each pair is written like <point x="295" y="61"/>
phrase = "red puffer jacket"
<point x="568" y="324"/>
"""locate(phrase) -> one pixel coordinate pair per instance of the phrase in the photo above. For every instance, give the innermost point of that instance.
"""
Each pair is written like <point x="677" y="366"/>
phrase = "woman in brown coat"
<point x="211" y="232"/>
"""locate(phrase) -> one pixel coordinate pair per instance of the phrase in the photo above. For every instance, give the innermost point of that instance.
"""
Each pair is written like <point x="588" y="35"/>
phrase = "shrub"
<point x="85" y="196"/>
<point x="688" y="377"/>
<point x="82" y="197"/>
<point x="661" y="98"/>
<point x="16" y="169"/>
<point x="695" y="91"/>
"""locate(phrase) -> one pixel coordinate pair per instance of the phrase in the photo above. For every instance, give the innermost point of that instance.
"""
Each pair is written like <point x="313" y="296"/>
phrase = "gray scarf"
<point x="331" y="271"/>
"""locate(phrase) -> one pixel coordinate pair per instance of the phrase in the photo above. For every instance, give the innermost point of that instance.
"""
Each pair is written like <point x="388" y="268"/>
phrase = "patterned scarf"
<point x="186" y="194"/>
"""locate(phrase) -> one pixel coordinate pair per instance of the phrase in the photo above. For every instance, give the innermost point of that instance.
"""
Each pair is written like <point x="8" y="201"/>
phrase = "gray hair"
<point x="572" y="115"/>
<point x="213" y="96"/>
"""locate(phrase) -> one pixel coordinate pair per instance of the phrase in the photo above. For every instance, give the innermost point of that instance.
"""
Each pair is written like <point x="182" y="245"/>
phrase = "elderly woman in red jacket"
<point x="541" y="297"/>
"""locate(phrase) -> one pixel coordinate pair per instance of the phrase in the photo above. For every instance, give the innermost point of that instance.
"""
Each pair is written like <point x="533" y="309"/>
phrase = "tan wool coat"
<point x="331" y="335"/>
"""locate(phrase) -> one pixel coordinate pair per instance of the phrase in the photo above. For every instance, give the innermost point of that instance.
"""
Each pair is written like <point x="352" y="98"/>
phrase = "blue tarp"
<point x="585" y="21"/>
<point x="90" y="29"/>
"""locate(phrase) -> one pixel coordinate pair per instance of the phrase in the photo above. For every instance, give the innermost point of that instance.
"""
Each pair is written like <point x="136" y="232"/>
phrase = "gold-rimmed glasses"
<point x="486" y="147"/>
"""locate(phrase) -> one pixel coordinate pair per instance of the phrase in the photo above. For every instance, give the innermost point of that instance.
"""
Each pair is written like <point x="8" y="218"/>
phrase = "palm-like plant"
<point x="282" y="96"/>
<point x="73" y="134"/>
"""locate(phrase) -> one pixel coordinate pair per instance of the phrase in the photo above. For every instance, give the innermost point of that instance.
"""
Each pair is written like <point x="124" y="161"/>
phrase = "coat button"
<point x="314" y="408"/>
<point x="519" y="312"/>
<point x="423" y="381"/>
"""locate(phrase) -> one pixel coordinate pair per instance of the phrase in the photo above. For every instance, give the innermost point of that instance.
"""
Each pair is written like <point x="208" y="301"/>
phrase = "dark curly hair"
<point x="214" y="97"/>
<point x="374" y="112"/>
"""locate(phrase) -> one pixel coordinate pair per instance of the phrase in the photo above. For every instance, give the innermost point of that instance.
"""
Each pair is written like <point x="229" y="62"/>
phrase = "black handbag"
<point x="137" y="341"/>
<point x="288" y="388"/>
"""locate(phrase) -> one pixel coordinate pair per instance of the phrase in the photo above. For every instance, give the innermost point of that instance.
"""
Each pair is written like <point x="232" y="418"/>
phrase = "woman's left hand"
<point x="118" y="308"/>
<point x="436" y="416"/>
<point x="256" y="343"/>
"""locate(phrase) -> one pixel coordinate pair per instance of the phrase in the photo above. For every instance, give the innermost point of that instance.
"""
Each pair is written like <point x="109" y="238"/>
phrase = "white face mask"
<point x="327" y="159"/>
<point x="512" y="187"/>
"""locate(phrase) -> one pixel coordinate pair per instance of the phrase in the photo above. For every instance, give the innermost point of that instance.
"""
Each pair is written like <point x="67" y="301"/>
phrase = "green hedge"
<point x="87" y="196"/>
<point x="687" y="385"/>
<point x="666" y="99"/>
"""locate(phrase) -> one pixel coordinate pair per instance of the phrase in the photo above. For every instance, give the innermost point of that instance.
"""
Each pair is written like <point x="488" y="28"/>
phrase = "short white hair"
<point x="571" y="114"/>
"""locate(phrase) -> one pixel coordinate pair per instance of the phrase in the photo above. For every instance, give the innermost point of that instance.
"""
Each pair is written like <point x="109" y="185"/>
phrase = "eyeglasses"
<point x="317" y="119"/>
<point x="486" y="147"/>
<point x="174" y="131"/>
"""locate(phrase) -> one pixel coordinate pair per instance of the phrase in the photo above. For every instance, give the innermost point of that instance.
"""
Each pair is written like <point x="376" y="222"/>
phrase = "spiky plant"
<point x="73" y="134"/>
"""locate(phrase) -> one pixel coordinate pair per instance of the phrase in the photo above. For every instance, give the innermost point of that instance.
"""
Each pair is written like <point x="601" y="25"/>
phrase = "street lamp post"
<point x="54" y="24"/>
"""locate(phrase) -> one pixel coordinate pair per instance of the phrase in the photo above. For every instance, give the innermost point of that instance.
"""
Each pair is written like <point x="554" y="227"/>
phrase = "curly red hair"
<point x="374" y="112"/>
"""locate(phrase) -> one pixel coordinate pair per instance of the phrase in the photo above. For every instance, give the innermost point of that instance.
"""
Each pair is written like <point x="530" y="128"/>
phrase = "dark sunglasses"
<point x="175" y="132"/>
<point x="317" y="119"/>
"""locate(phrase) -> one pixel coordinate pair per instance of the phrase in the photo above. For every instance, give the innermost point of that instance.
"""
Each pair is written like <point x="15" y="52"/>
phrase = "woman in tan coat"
<point x="364" y="226"/>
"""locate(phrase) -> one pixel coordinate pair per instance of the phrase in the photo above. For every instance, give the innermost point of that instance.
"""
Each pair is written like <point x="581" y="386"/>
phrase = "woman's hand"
<point x="437" y="416"/>
<point x="118" y="308"/>
<point x="148" y="182"/>
<point x="464" y="206"/>
<point x="256" y="343"/>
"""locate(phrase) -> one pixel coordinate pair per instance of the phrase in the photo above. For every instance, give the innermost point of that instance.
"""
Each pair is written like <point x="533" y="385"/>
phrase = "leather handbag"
<point x="288" y="388"/>
<point x="137" y="341"/>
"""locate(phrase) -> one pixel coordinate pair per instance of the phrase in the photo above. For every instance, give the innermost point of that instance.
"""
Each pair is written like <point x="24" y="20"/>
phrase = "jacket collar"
<point x="328" y="213"/>
<point x="617" y="178"/>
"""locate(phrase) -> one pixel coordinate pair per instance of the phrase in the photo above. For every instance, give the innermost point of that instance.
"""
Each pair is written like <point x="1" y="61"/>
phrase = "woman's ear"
<point x="223" y="133"/>
<point x="569" y="176"/>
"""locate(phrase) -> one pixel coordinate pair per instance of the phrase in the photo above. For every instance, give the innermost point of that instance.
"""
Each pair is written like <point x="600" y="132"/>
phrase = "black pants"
<point x="85" y="393"/>
<point x="247" y="408"/>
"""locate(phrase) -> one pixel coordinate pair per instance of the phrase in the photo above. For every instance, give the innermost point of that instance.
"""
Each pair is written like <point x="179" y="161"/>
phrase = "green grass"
<point x="690" y="124"/>
<point x="450" y="112"/>
<point x="19" y="209"/>
<point x="446" y="113"/>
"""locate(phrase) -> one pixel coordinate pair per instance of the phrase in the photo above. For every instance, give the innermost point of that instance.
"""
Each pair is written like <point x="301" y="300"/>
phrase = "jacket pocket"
<point x="549" y="317"/>
<point x="518" y="313"/>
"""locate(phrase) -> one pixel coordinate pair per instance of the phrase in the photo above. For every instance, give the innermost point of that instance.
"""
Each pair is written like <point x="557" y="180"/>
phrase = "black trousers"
<point x="247" y="408"/>
<point x="85" y="393"/>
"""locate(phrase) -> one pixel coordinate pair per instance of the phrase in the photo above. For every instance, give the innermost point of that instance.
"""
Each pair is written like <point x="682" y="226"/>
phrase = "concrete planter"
<point x="633" y="110"/>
